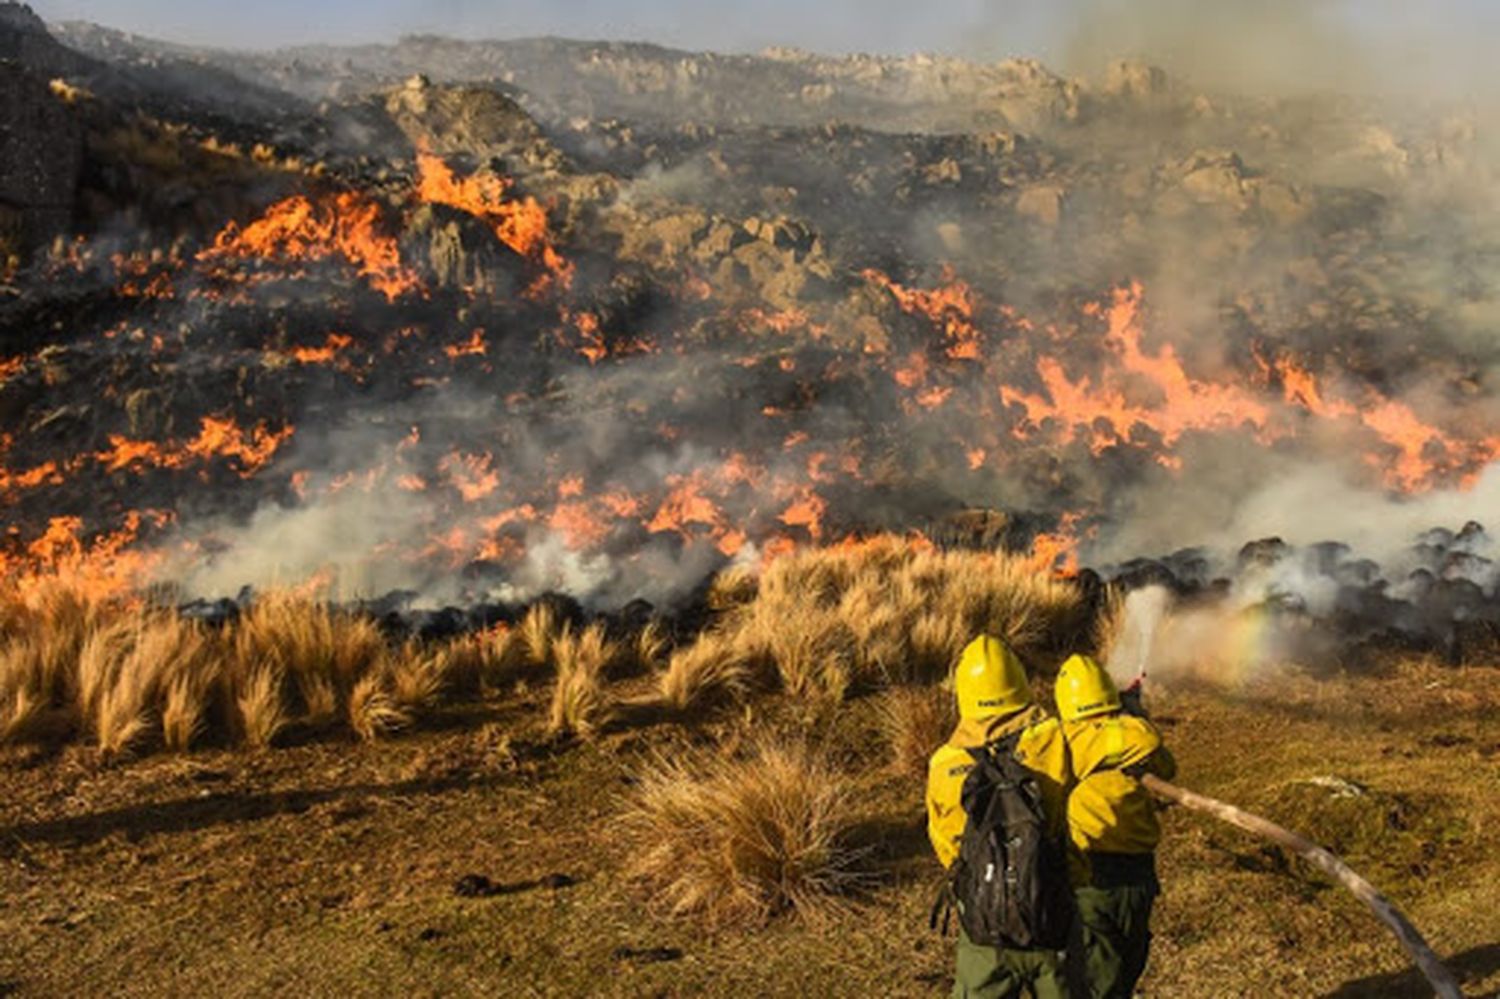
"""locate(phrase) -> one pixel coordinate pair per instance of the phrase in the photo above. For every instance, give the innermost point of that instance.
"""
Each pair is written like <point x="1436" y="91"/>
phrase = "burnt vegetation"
<point x="459" y="324"/>
<point x="440" y="452"/>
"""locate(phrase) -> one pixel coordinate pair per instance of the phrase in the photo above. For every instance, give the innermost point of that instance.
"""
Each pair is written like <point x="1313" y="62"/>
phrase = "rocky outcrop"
<point x="476" y="121"/>
<point x="24" y="39"/>
<point x="41" y="151"/>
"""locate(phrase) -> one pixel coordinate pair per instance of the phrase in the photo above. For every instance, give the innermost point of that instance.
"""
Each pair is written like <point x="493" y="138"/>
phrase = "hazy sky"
<point x="1444" y="43"/>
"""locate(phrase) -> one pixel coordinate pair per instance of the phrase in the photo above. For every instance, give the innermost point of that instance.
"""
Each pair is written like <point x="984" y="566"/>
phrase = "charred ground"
<point x="433" y="329"/>
<point x="483" y="319"/>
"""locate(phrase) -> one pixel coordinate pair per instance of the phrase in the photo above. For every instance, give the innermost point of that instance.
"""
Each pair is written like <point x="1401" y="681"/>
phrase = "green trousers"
<point x="1114" y="922"/>
<point x="990" y="973"/>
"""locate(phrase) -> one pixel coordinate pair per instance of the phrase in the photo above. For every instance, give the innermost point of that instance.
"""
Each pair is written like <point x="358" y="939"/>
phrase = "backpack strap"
<point x="942" y="908"/>
<point x="1006" y="744"/>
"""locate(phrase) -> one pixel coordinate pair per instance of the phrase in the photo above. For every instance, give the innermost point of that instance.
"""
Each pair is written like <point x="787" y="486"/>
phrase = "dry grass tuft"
<point x="649" y="649"/>
<point x="579" y="702"/>
<point x="480" y="661"/>
<point x="28" y="688"/>
<point x="185" y="706"/>
<point x="259" y="705"/>
<point x="538" y="630"/>
<point x="324" y="651"/>
<point x="915" y="721"/>
<point x="734" y="587"/>
<point x="830" y="621"/>
<point x="709" y="670"/>
<point x="743" y="840"/>
<point x="1109" y="625"/>
<point x="138" y="665"/>
<point x="418" y="676"/>
<point x="373" y="712"/>
<point x="936" y="639"/>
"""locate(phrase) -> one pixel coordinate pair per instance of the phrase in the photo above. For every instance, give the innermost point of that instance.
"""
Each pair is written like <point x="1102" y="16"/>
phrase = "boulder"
<point x="1041" y="203"/>
<point x="41" y="155"/>
<point x="1132" y="78"/>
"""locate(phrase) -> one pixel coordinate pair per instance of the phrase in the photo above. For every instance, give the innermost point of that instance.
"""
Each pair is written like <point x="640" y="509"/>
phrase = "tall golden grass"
<point x="914" y="722"/>
<point x="323" y="651"/>
<point x="735" y="840"/>
<point x="825" y="622"/>
<point x="128" y="676"/>
<point x="579" y="702"/>
<point x="817" y="625"/>
<point x="700" y="674"/>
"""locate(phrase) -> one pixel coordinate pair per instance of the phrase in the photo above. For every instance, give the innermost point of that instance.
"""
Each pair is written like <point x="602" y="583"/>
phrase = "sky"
<point x="1360" y="44"/>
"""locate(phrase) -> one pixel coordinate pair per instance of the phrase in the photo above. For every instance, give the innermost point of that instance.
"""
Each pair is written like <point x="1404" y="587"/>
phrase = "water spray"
<point x="1144" y="612"/>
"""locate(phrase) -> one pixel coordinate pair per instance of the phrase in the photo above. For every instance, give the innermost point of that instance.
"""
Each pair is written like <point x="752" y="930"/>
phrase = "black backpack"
<point x="1010" y="881"/>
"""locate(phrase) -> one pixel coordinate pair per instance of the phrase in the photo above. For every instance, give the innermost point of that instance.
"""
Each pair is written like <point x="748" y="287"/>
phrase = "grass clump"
<point x="259" y="708"/>
<point x="698" y="675"/>
<point x="539" y="629"/>
<point x="831" y="621"/>
<point x="580" y="704"/>
<point x="373" y="710"/>
<point x="735" y="840"/>
<point x="915" y="721"/>
<point x="325" y="652"/>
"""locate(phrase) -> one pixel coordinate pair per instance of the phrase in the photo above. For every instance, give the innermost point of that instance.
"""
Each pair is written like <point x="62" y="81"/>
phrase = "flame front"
<point x="300" y="230"/>
<point x="752" y="426"/>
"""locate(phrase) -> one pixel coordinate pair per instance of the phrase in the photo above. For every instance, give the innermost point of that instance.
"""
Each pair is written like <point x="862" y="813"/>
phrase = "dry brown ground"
<point x="329" y="867"/>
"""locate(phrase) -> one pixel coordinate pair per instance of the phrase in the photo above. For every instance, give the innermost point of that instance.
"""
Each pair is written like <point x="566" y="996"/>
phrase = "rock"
<point x="476" y="121"/>
<point x="1041" y="203"/>
<point x="462" y="251"/>
<point x="817" y="93"/>
<point x="945" y="172"/>
<point x="1215" y="177"/>
<point x="1282" y="203"/>
<point x="1134" y="79"/>
<point x="721" y="239"/>
<point x="474" y="886"/>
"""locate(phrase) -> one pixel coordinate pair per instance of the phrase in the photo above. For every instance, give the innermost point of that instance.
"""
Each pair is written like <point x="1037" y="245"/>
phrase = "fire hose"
<point x="1411" y="940"/>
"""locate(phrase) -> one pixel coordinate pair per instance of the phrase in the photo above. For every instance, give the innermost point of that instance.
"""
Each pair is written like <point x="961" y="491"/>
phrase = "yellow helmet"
<point x="1084" y="689"/>
<point x="990" y="680"/>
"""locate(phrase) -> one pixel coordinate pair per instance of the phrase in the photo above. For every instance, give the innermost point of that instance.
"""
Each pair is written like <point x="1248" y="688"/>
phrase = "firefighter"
<point x="995" y="701"/>
<point x="1112" y="827"/>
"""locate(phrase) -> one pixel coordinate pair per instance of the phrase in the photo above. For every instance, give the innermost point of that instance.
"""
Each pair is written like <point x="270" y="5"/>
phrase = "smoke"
<point x="890" y="321"/>
<point x="1294" y="47"/>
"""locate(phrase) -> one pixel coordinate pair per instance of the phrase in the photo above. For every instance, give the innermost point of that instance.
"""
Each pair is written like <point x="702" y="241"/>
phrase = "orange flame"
<point x="1057" y="551"/>
<point x="519" y="224"/>
<point x="297" y="229"/>
<point x="324" y="354"/>
<point x="1173" y="401"/>
<point x="806" y="511"/>
<point x="949" y="307"/>
<point x="473" y="346"/>
<point x="471" y="475"/>
<point x="102" y="567"/>
<point x="1424" y="454"/>
<point x="218" y="437"/>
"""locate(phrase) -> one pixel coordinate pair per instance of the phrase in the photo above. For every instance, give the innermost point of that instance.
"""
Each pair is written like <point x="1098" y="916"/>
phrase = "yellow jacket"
<point x="1041" y="748"/>
<point x="1108" y="810"/>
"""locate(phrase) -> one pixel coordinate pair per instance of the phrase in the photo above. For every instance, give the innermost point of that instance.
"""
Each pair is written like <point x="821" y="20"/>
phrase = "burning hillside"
<point x="474" y="341"/>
